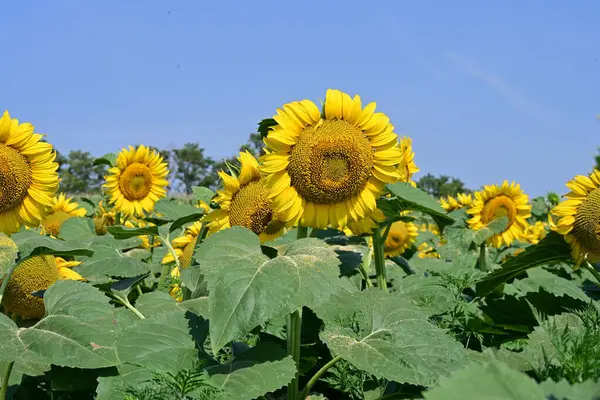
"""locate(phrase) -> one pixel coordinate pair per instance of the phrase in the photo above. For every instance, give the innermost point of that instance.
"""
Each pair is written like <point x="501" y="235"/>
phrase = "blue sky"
<point x="487" y="90"/>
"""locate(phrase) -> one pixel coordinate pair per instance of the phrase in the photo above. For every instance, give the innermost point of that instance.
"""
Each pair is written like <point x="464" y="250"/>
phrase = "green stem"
<point x="4" y="388"/>
<point x="364" y="267"/>
<point x="482" y="263"/>
<point x="302" y="232"/>
<point x="165" y="270"/>
<point x="379" y="259"/>
<point x="294" y="330"/>
<point x="318" y="376"/>
<point x="592" y="270"/>
<point x="118" y="218"/>
<point x="126" y="303"/>
<point x="6" y="279"/>
<point x="139" y="290"/>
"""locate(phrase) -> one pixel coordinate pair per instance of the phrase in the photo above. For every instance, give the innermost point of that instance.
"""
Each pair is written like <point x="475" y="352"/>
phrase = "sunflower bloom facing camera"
<point x="577" y="217"/>
<point x="244" y="201"/>
<point x="402" y="236"/>
<point x="137" y="182"/>
<point x="33" y="275"/>
<point x="62" y="209"/>
<point x="328" y="169"/>
<point x="507" y="200"/>
<point x="28" y="177"/>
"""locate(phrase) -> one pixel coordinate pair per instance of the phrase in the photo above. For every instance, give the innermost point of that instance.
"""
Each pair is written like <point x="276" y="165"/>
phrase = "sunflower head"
<point x="426" y="250"/>
<point x="328" y="169"/>
<point x="244" y="201"/>
<point x="137" y="181"/>
<point x="402" y="236"/>
<point x="184" y="246"/>
<point x="535" y="232"/>
<point x="407" y="168"/>
<point x="203" y="206"/>
<point x="507" y="200"/>
<point x="455" y="203"/>
<point x="28" y="177"/>
<point x="61" y="210"/>
<point x="577" y="217"/>
<point x="32" y="275"/>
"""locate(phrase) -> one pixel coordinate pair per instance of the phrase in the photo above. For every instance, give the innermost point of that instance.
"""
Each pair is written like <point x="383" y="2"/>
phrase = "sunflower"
<point x="402" y="236"/>
<point x="103" y="219"/>
<point x="140" y="223"/>
<point x="534" y="233"/>
<point x="426" y="250"/>
<point x="461" y="201"/>
<point x="407" y="168"/>
<point x="33" y="275"/>
<point x="578" y="217"/>
<point x="329" y="169"/>
<point x="28" y="177"/>
<point x="138" y="181"/>
<point x="244" y="201"/>
<point x="501" y="201"/>
<point x="61" y="210"/>
<point x="203" y="206"/>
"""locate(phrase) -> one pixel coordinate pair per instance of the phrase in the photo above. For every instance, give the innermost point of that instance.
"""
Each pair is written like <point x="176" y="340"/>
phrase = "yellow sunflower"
<point x="329" y="169"/>
<point x="507" y="200"/>
<point x="426" y="250"/>
<point x="534" y="233"/>
<point x="402" y="236"/>
<point x="244" y="201"/>
<point x="140" y="223"/>
<point x="103" y="219"/>
<point x="61" y="210"/>
<point x="138" y="181"/>
<point x="35" y="274"/>
<point x="578" y="217"/>
<point x="461" y="201"/>
<point x="203" y="206"/>
<point x="28" y="177"/>
<point x="407" y="168"/>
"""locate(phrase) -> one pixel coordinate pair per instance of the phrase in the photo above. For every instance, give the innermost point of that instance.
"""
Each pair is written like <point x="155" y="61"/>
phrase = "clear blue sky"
<point x="487" y="90"/>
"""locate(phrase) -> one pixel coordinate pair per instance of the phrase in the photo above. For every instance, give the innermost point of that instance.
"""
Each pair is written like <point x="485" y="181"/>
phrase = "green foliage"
<point x="441" y="186"/>
<point x="193" y="168"/>
<point x="81" y="173"/>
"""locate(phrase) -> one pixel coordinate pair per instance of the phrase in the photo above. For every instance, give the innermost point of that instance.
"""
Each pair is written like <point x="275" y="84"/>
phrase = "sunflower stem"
<point x="118" y="218"/>
<point x="165" y="270"/>
<point x="5" y="379"/>
<point x="302" y="232"/>
<point x="127" y="304"/>
<point x="592" y="270"/>
<point x="294" y="341"/>
<point x="364" y="267"/>
<point x="379" y="259"/>
<point x="481" y="262"/>
<point x="318" y="376"/>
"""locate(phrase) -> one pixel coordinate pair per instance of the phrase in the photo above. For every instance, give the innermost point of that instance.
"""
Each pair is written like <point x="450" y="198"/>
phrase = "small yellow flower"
<point x="461" y="201"/>
<point x="402" y="236"/>
<point x="61" y="210"/>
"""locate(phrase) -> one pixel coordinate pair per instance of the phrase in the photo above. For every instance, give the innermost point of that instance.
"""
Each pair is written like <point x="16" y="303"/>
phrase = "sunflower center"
<point x="250" y="207"/>
<point x="331" y="162"/>
<point x="396" y="237"/>
<point x="54" y="221"/>
<point x="15" y="178"/>
<point x="498" y="207"/>
<point x="587" y="222"/>
<point x="135" y="181"/>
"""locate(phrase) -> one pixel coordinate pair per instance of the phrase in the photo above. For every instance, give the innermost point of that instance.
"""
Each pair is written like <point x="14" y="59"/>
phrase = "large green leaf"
<point x="154" y="303"/>
<point x="255" y="372"/>
<point x="8" y="253"/>
<point x="246" y="288"/>
<point x="388" y="336"/>
<point x="491" y="381"/>
<point x="108" y="261"/>
<point x="108" y="159"/>
<point x="77" y="228"/>
<point x="31" y="243"/>
<point x="77" y="330"/>
<point x="171" y="210"/>
<point x="11" y="347"/>
<point x="539" y="278"/>
<point x="406" y="197"/>
<point x="202" y="193"/>
<point x="494" y="227"/>
<point x="551" y="249"/>
<point x="428" y="293"/>
<point x="563" y="390"/>
<point x="122" y="232"/>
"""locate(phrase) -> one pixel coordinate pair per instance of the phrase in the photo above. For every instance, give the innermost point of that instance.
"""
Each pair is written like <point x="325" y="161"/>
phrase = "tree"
<point x="193" y="168"/>
<point x="442" y="186"/>
<point x="79" y="175"/>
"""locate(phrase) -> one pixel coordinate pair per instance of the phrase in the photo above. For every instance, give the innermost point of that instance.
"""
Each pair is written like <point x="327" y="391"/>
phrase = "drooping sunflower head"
<point x="534" y="232"/>
<point x="328" y="169"/>
<point x="184" y="246"/>
<point x="32" y="275"/>
<point x="402" y="236"/>
<point x="507" y="200"/>
<point x="62" y="209"/>
<point x="407" y="168"/>
<point x="28" y="175"/>
<point x="244" y="201"/>
<point x="577" y="217"/>
<point x="138" y="181"/>
<point x="461" y="200"/>
<point x="203" y="206"/>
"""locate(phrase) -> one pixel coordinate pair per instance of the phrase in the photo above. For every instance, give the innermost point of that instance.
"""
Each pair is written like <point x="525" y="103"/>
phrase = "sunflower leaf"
<point x="109" y="261"/>
<point x="172" y="210"/>
<point x="405" y="197"/>
<point x="77" y="330"/>
<point x="77" y="228"/>
<point x="179" y="222"/>
<point x="122" y="232"/>
<point x="551" y="249"/>
<point x="389" y="336"/>
<point x="202" y="193"/>
<point x="108" y="159"/>
<point x="11" y="347"/>
<point x="493" y="380"/>
<point x="31" y="243"/>
<point x="494" y="227"/>
<point x="265" y="125"/>
<point x="259" y="370"/>
<point x="587" y="390"/>
<point x="246" y="288"/>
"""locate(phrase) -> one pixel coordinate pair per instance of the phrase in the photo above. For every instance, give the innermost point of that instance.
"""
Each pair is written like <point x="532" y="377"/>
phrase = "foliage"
<point x="443" y="185"/>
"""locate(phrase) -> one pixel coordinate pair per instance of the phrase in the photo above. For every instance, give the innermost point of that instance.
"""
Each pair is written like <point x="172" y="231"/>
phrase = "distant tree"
<point x="61" y="160"/>
<point x="79" y="175"/>
<point x="193" y="168"/>
<point x="254" y="145"/>
<point x="597" y="158"/>
<point x="442" y="186"/>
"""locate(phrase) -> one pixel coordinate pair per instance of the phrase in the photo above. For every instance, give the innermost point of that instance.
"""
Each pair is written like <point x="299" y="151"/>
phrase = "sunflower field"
<point x="316" y="271"/>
